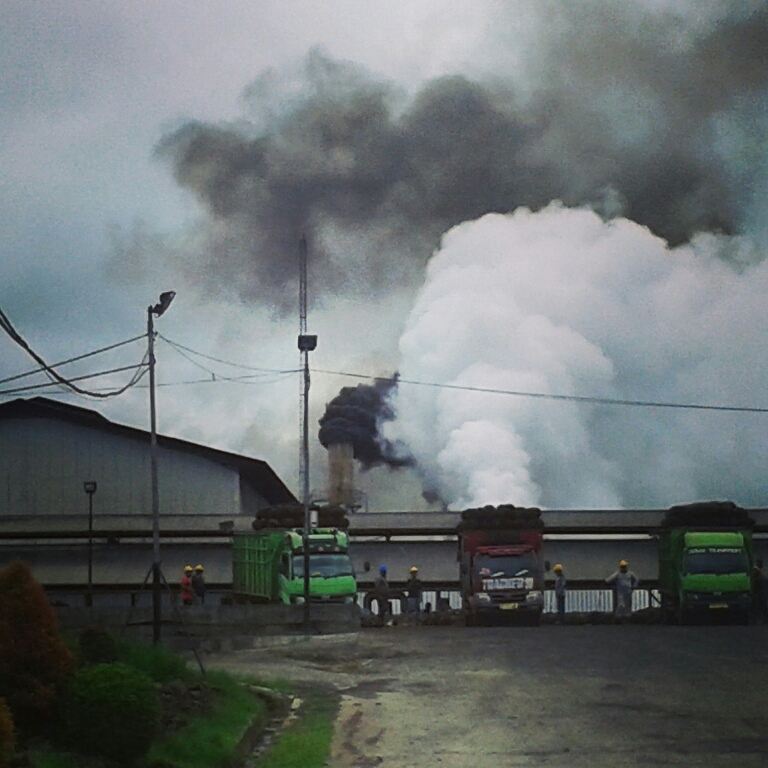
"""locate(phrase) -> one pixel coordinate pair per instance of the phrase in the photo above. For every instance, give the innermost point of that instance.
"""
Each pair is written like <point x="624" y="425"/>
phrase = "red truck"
<point x="502" y="570"/>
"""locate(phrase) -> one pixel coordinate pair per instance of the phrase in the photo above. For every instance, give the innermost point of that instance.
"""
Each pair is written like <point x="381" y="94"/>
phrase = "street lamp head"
<point x="89" y="486"/>
<point x="165" y="301"/>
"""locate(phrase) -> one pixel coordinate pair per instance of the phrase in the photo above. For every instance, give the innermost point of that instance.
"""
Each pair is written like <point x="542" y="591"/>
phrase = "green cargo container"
<point x="255" y="563"/>
<point x="705" y="572"/>
<point x="269" y="565"/>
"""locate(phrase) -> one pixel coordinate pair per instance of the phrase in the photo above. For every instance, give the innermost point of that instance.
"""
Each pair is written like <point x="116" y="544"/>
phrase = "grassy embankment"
<point x="307" y="742"/>
<point x="207" y="740"/>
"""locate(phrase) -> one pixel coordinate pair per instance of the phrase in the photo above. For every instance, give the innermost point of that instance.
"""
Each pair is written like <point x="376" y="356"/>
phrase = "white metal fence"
<point x="576" y="600"/>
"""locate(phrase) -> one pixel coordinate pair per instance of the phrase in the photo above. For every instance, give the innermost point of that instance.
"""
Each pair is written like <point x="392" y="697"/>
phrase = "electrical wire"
<point x="54" y="375"/>
<point x="267" y="378"/>
<point x="549" y="396"/>
<point x="140" y="369"/>
<point x="216" y="359"/>
<point x="593" y="400"/>
<point x="73" y="359"/>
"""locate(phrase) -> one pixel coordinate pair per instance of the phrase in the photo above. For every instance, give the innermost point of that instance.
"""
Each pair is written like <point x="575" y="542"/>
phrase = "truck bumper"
<point x="711" y="606"/>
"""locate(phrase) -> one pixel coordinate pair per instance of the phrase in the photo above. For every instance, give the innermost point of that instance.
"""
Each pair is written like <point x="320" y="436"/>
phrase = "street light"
<point x="158" y="310"/>
<point x="89" y="486"/>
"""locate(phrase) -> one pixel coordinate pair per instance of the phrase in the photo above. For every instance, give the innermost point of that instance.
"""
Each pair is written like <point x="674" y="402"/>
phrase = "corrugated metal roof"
<point x="256" y="471"/>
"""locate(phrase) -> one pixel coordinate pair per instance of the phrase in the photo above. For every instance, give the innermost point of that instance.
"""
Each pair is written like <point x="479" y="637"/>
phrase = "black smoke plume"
<point x="657" y="115"/>
<point x="354" y="416"/>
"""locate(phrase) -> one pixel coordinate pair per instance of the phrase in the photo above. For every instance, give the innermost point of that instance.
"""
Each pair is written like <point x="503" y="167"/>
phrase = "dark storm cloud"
<point x="623" y="109"/>
<point x="354" y="416"/>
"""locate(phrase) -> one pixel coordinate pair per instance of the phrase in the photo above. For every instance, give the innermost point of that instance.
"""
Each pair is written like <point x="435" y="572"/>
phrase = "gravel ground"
<point x="568" y="696"/>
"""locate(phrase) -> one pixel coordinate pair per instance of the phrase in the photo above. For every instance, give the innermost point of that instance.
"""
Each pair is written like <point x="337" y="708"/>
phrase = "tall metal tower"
<point x="307" y="344"/>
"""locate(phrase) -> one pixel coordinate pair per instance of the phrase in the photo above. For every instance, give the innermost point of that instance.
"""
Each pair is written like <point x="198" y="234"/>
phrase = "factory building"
<point x="49" y="450"/>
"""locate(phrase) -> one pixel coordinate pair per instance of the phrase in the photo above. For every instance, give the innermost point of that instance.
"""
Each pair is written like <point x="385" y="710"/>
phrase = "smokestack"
<point x="341" y="474"/>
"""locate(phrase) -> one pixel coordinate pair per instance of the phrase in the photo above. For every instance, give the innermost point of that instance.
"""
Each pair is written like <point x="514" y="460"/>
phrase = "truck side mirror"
<point x="547" y="565"/>
<point x="366" y="566"/>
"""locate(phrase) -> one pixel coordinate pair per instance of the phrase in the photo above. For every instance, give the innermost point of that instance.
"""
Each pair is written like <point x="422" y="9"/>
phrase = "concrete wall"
<point x="44" y="462"/>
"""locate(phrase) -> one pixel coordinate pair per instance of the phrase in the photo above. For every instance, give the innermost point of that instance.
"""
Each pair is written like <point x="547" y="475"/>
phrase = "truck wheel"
<point x="470" y="619"/>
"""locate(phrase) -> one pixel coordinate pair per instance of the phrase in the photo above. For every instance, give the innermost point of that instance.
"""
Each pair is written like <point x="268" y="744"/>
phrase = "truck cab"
<point x="706" y="573"/>
<point x="502" y="575"/>
<point x="331" y="575"/>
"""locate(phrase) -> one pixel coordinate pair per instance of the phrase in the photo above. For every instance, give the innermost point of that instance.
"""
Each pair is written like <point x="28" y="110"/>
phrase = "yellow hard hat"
<point x="188" y="569"/>
<point x="623" y="563"/>
<point x="558" y="568"/>
<point x="199" y="567"/>
<point x="413" y="569"/>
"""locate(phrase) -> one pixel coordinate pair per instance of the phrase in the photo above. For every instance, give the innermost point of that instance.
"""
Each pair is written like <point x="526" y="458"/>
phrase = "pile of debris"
<point x="285" y="516"/>
<point x="505" y="516"/>
<point x="707" y="514"/>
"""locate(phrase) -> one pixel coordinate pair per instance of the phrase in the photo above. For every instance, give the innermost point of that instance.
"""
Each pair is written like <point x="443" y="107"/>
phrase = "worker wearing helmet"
<point x="623" y="582"/>
<point x="414" y="589"/>
<point x="187" y="595"/>
<point x="560" y="587"/>
<point x="198" y="583"/>
<point x="381" y="593"/>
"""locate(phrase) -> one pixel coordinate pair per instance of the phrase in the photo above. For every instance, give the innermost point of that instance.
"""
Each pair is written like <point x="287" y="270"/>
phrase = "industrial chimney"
<point x="341" y="474"/>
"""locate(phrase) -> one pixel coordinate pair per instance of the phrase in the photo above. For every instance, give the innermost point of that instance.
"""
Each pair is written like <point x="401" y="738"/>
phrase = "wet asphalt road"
<point x="551" y="696"/>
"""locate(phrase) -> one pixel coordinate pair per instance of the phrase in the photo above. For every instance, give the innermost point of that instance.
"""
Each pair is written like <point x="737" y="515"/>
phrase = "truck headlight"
<point x="534" y="594"/>
<point x="349" y="599"/>
<point x="483" y="597"/>
<point x="297" y="599"/>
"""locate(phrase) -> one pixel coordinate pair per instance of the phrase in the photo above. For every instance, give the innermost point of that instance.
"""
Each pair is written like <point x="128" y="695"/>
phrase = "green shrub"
<point x="34" y="661"/>
<point x="7" y="734"/>
<point x="155" y="661"/>
<point x="97" y="646"/>
<point x="112" y="711"/>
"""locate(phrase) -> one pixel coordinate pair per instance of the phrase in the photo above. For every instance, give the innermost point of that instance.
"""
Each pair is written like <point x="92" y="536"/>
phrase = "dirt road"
<point x="550" y="696"/>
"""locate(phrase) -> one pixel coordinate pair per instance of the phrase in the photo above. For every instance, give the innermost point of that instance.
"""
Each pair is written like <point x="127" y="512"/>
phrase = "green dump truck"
<point x="705" y="562"/>
<point x="268" y="565"/>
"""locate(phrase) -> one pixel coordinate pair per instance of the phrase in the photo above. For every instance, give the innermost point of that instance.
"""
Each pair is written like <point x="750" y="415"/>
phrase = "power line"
<point x="510" y="392"/>
<point x="549" y="396"/>
<point x="273" y="379"/>
<point x="29" y="387"/>
<point x="216" y="359"/>
<point x="72" y="359"/>
<point x="54" y="375"/>
<point x="219" y="376"/>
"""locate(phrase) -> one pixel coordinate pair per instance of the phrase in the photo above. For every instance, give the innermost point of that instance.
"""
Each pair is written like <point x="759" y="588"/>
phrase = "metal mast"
<point x="306" y="344"/>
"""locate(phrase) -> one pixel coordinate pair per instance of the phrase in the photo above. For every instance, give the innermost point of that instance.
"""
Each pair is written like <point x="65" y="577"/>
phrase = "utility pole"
<point x="159" y="308"/>
<point x="307" y="344"/>
<point x="89" y="486"/>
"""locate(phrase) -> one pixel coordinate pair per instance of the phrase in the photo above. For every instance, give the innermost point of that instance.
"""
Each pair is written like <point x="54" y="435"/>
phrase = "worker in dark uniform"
<point x="561" y="585"/>
<point x="381" y="593"/>
<point x="414" y="589"/>
<point x="759" y="592"/>
<point x="198" y="583"/>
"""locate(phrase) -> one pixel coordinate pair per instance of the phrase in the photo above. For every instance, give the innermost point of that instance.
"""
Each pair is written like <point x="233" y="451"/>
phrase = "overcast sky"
<point x="96" y="221"/>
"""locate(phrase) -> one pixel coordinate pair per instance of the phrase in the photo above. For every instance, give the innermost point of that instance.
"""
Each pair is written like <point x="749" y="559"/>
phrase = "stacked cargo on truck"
<point x="501" y="565"/>
<point x="705" y="562"/>
<point x="268" y="564"/>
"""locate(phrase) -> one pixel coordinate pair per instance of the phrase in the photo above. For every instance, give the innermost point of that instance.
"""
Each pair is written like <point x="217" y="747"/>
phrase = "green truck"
<point x="268" y="565"/>
<point x="705" y="562"/>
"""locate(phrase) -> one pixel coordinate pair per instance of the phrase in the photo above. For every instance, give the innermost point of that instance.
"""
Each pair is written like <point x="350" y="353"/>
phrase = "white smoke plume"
<point x="560" y="301"/>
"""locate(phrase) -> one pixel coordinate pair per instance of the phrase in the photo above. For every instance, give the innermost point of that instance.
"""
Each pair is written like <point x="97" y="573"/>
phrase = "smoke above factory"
<point x="655" y="115"/>
<point x="587" y="216"/>
<point x="560" y="302"/>
<point x="355" y="417"/>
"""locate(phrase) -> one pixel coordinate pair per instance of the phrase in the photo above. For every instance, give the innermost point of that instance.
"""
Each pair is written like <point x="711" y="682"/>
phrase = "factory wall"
<point x="44" y="462"/>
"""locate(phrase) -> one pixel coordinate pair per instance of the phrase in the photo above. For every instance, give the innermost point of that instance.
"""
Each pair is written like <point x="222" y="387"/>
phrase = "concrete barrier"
<point x="217" y="620"/>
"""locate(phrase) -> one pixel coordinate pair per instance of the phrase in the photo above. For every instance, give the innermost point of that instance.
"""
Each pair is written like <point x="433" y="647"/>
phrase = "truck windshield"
<point x="716" y="561"/>
<point x="326" y="566"/>
<point x="506" y="565"/>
